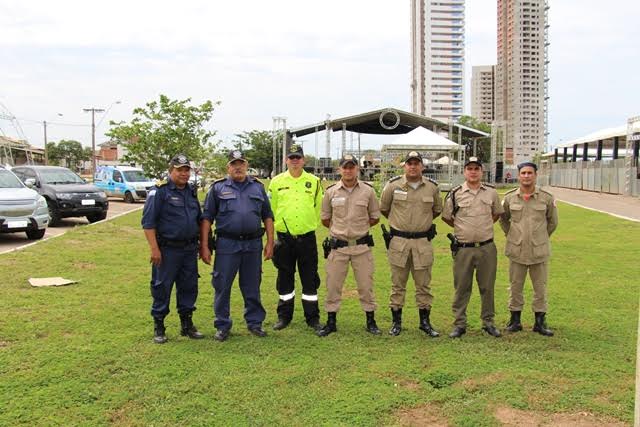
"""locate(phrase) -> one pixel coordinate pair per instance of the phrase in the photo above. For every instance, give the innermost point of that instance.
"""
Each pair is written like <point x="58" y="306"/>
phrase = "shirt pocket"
<point x="339" y="206"/>
<point x="516" y="212"/>
<point x="256" y="202"/>
<point x="427" y="203"/>
<point x="362" y="208"/>
<point x="227" y="202"/>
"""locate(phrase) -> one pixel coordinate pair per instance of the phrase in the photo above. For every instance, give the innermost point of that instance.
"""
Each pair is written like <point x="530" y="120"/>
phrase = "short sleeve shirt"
<point x="173" y="212"/>
<point x="474" y="220"/>
<point x="409" y="209"/>
<point x="296" y="202"/>
<point x="350" y="211"/>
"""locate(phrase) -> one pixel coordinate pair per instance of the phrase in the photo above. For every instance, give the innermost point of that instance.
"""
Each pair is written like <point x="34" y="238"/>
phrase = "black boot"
<point x="541" y="326"/>
<point x="396" y="326"/>
<point x="514" y="324"/>
<point x="330" y="326"/>
<point x="159" y="336"/>
<point x="281" y="324"/>
<point x="314" y="324"/>
<point x="188" y="329"/>
<point x="425" y="325"/>
<point x="371" y="323"/>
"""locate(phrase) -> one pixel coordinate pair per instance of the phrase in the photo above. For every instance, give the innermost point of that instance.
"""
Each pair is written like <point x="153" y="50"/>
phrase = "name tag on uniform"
<point x="338" y="201"/>
<point x="399" y="194"/>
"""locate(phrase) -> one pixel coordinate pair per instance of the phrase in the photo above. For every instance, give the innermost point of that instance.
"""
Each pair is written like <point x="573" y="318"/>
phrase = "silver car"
<point x="21" y="208"/>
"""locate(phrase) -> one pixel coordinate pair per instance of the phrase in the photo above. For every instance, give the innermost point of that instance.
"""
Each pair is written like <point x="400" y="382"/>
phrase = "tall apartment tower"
<point x="521" y="78"/>
<point x="437" y="58"/>
<point x="483" y="92"/>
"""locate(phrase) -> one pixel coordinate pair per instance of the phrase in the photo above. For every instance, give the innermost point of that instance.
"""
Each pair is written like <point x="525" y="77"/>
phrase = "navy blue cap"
<point x="525" y="164"/>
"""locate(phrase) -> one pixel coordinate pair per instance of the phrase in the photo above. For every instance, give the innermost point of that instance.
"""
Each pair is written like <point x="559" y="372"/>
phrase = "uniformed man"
<point x="530" y="217"/>
<point x="411" y="202"/>
<point x="238" y="204"/>
<point x="349" y="209"/>
<point x="170" y="221"/>
<point x="471" y="209"/>
<point x="296" y="197"/>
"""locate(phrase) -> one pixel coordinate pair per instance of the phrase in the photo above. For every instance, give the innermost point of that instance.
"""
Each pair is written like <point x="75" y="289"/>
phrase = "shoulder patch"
<point x="161" y="183"/>
<point x="395" y="178"/>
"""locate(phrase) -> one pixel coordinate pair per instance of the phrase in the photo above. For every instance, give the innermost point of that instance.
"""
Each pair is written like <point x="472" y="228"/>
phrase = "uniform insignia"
<point x="307" y="184"/>
<point x="332" y="185"/>
<point x="236" y="154"/>
<point x="453" y="191"/>
<point x="224" y="193"/>
<point x="395" y="178"/>
<point x="433" y="181"/>
<point x="488" y="185"/>
<point x="293" y="148"/>
<point x="510" y="191"/>
<point x="161" y="183"/>
<point x="219" y="180"/>
<point x="365" y="182"/>
<point x="182" y="159"/>
<point x="413" y="154"/>
<point x="545" y="191"/>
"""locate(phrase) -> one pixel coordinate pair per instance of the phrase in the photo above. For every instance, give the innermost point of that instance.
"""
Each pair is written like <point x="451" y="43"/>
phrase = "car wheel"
<point x="54" y="215"/>
<point x="96" y="217"/>
<point x="128" y="197"/>
<point x="35" y="234"/>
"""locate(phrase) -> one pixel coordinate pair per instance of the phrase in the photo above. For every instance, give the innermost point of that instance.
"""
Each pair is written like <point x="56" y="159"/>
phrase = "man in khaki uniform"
<point x="411" y="202"/>
<point x="530" y="217"/>
<point x="349" y="209"/>
<point x="471" y="209"/>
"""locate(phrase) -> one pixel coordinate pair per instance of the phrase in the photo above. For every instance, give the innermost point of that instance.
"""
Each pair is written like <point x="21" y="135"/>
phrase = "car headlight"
<point x="101" y="194"/>
<point x="140" y="187"/>
<point x="41" y="203"/>
<point x="64" y="196"/>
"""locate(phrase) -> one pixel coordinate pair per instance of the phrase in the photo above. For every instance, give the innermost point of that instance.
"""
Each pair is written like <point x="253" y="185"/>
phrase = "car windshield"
<point x="60" y="176"/>
<point x="9" y="180"/>
<point x="135" y="176"/>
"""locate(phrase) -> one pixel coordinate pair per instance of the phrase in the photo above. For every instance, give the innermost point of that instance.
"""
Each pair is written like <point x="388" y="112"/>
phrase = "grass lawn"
<point x="83" y="354"/>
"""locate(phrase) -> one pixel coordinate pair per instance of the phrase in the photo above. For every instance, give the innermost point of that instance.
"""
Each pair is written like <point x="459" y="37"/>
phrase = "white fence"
<point x="606" y="176"/>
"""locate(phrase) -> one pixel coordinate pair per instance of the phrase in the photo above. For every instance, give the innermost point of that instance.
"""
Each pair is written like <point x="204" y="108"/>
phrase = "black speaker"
<point x="499" y="169"/>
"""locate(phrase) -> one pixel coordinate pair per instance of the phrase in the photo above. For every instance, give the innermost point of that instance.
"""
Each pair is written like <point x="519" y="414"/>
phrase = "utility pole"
<point x="46" y="152"/>
<point x="93" y="135"/>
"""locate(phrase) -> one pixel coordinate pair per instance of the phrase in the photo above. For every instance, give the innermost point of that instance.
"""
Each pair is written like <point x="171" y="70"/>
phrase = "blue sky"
<point x="288" y="58"/>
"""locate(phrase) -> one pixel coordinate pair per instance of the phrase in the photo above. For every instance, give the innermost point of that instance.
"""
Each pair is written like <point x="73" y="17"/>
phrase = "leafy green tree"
<point x="483" y="145"/>
<point x="257" y="146"/>
<point x="69" y="153"/>
<point x="164" y="128"/>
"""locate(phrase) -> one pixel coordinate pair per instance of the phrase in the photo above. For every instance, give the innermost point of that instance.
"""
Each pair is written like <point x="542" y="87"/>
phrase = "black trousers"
<point x="302" y="251"/>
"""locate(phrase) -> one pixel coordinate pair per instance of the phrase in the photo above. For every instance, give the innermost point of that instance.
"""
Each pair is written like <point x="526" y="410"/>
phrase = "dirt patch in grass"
<point x="123" y="415"/>
<point x="421" y="416"/>
<point x="4" y="344"/>
<point x="516" y="417"/>
<point x="84" y="265"/>
<point x="473" y="384"/>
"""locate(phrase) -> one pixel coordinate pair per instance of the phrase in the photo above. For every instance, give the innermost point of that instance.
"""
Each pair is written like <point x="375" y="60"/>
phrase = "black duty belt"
<point x="282" y="235"/>
<point x="409" y="235"/>
<point x="172" y="243"/>
<point x="337" y="243"/>
<point x="474" y="245"/>
<point x="234" y="236"/>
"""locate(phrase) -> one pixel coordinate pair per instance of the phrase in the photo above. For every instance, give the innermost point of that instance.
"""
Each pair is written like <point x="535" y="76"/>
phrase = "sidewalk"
<point x="613" y="204"/>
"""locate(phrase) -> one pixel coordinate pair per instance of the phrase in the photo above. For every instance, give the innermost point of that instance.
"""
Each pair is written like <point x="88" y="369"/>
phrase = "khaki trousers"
<point x="517" y="276"/>
<point x="483" y="261"/>
<point x="337" y="266"/>
<point x="422" y="279"/>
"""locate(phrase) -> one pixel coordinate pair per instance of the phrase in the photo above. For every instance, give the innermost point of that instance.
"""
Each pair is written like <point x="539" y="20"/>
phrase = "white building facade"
<point x="521" y="78"/>
<point x="482" y="92"/>
<point x="437" y="58"/>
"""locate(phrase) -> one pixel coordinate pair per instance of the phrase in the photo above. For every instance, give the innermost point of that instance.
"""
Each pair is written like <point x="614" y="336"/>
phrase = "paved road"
<point x="10" y="241"/>
<point x="613" y="204"/>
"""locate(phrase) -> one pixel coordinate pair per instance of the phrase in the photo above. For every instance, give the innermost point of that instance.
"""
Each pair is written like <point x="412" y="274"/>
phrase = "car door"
<point x="118" y="184"/>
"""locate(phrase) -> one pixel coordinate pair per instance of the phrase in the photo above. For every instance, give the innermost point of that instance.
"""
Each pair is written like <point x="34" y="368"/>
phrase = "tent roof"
<point x="369" y="123"/>
<point x="600" y="135"/>
<point x="422" y="139"/>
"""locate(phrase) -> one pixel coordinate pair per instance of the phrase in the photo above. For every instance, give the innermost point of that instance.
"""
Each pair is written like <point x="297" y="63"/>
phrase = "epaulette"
<point x="257" y="180"/>
<point x="486" y="184"/>
<point x="454" y="189"/>
<point x="365" y="182"/>
<point x="161" y="183"/>
<point x="220" y="180"/>
<point x="510" y="191"/>
<point x="433" y="181"/>
<point x="395" y="178"/>
<point x="545" y="191"/>
<point x="332" y="185"/>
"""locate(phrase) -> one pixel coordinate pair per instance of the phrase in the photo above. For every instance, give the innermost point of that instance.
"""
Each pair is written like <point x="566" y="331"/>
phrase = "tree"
<point x="483" y="145"/>
<point x="69" y="153"/>
<point x="162" y="129"/>
<point x="257" y="146"/>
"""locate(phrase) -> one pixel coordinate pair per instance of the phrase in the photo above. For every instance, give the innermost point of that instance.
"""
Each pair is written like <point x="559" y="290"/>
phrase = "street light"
<point x="93" y="111"/>
<point x="46" y="152"/>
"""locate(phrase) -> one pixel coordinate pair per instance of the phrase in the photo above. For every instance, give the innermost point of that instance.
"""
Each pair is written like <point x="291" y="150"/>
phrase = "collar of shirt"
<point x="465" y="187"/>
<point x="237" y="185"/>
<point x="340" y="185"/>
<point x="535" y="194"/>
<point x="304" y="172"/>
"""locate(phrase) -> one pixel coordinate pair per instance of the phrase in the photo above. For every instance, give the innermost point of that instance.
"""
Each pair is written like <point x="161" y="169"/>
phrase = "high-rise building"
<point x="482" y="92"/>
<point x="437" y="58"/>
<point x="521" y="78"/>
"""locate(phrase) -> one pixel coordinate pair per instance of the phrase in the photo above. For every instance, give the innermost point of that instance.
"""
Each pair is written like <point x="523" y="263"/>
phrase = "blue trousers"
<point x="225" y="268"/>
<point x="180" y="266"/>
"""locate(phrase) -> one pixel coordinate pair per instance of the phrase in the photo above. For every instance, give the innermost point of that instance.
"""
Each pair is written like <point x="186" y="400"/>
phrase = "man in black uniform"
<point x="170" y="220"/>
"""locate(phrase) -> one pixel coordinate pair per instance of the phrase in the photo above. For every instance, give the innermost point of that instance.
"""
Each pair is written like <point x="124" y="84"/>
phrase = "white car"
<point x="21" y="208"/>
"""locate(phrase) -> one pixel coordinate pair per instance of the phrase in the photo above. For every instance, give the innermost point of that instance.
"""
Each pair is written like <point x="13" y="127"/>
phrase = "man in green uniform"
<point x="296" y="199"/>
<point x="471" y="209"/>
<point x="530" y="217"/>
<point x="411" y="202"/>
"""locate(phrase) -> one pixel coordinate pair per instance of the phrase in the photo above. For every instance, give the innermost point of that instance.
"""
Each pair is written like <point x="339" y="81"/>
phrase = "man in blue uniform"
<point x="238" y="204"/>
<point x="170" y="222"/>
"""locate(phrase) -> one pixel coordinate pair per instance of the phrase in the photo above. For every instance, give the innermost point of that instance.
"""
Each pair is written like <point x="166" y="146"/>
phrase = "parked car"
<point x="21" y="208"/>
<point x="66" y="193"/>
<point x="126" y="182"/>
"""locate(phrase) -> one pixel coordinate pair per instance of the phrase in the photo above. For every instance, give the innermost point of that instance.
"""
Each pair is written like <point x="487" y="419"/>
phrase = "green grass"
<point x="83" y="354"/>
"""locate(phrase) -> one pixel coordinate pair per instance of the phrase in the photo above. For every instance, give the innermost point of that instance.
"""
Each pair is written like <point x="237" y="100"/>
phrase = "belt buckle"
<point x="351" y="243"/>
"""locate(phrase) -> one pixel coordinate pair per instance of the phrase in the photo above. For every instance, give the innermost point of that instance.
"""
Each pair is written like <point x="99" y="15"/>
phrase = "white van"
<point x="126" y="182"/>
